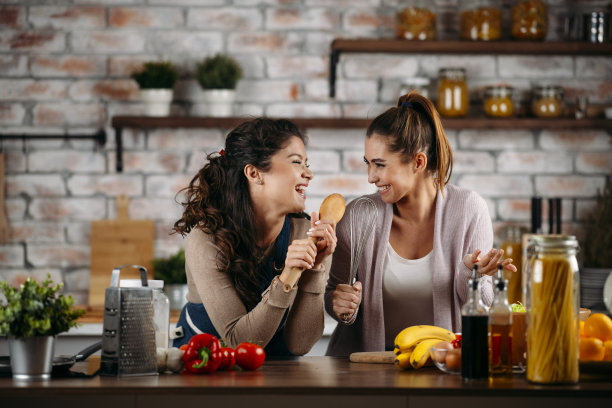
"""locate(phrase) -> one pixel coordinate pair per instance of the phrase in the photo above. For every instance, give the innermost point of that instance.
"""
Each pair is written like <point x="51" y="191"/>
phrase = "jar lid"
<point x="136" y="283"/>
<point x="548" y="90"/>
<point x="499" y="90"/>
<point x="553" y="241"/>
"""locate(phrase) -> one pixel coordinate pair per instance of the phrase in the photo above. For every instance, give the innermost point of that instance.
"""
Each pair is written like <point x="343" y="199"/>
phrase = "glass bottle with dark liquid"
<point x="500" y="328"/>
<point x="474" y="333"/>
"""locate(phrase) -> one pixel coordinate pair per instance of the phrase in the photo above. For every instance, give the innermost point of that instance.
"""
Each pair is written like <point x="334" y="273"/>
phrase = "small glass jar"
<point x="418" y="84"/>
<point x="552" y="309"/>
<point x="509" y="238"/>
<point x="529" y="20"/>
<point x="547" y="101"/>
<point x="416" y="20"/>
<point x="453" y="98"/>
<point x="498" y="101"/>
<point x="480" y="20"/>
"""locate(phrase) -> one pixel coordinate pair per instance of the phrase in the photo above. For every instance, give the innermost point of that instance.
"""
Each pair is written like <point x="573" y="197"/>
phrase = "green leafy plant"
<point x="156" y="75"/>
<point x="172" y="269"/>
<point x="36" y="309"/>
<point x="598" y="232"/>
<point x="218" y="72"/>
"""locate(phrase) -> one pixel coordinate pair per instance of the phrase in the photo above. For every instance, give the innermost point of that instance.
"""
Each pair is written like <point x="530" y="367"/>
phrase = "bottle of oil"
<point x="500" y="328"/>
<point x="474" y="336"/>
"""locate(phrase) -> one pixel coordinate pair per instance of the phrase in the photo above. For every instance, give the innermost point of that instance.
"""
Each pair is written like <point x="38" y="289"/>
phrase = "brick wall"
<point x="65" y="66"/>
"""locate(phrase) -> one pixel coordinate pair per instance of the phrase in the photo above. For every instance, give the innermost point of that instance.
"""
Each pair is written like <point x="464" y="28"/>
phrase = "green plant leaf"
<point x="218" y="72"/>
<point x="156" y="75"/>
<point x="172" y="269"/>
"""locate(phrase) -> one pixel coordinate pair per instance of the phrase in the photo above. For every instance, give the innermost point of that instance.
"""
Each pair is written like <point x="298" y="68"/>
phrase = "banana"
<point x="403" y="360"/>
<point x="420" y="355"/>
<point x="410" y="336"/>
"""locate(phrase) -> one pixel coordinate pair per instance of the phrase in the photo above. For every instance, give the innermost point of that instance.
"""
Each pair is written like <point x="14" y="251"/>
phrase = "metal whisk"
<point x="363" y="216"/>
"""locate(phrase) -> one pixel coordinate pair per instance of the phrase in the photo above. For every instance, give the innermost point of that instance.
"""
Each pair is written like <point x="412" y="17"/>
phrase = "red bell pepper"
<point x="203" y="354"/>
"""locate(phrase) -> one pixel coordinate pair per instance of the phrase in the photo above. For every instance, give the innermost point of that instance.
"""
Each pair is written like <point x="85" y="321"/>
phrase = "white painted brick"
<point x="535" y="67"/>
<point x="344" y="3"/>
<point x="77" y="232"/>
<point x="47" y="41"/>
<point x="347" y="139"/>
<point x="35" y="185"/>
<point x="377" y="65"/>
<point x="356" y="91"/>
<point x="249" y="109"/>
<point x="192" y="140"/>
<point x="498" y="186"/>
<point x="475" y="65"/>
<point x="584" y="209"/>
<point x="195" y="163"/>
<point x="166" y="186"/>
<point x="155" y="208"/>
<point x="68" y="66"/>
<point x="491" y="208"/>
<point x="66" y="160"/>
<point x="323" y="162"/>
<point x="37" y="231"/>
<point x="124" y="65"/>
<point x="109" y="185"/>
<point x="132" y="139"/>
<point x="103" y="42"/>
<point x="595" y="162"/>
<point x="514" y="209"/>
<point x="302" y="110"/>
<point x="78" y="209"/>
<point x="121" y="89"/>
<point x="495" y="140"/>
<point x="368" y="21"/>
<point x="345" y="184"/>
<point x="192" y="43"/>
<point x="534" y="162"/>
<point x="62" y="256"/>
<point x="297" y="66"/>
<point x="267" y="91"/>
<point x="66" y="18"/>
<point x="583" y="139"/>
<point x="77" y="114"/>
<point x="15" y="208"/>
<point x="12" y="256"/>
<point x="14" y="160"/>
<point x="154" y="162"/>
<point x="368" y="111"/>
<point x="568" y="186"/>
<point x="352" y="161"/>
<point x="11" y="113"/>
<point x="264" y="42"/>
<point x="27" y="89"/>
<point x="473" y="162"/>
<point x="188" y="2"/>
<point x="301" y="19"/>
<point x="76" y="280"/>
<point x="594" y="67"/>
<point x="12" y="16"/>
<point x="318" y="43"/>
<point x="14" y="65"/>
<point x="145" y="17"/>
<point x="225" y="19"/>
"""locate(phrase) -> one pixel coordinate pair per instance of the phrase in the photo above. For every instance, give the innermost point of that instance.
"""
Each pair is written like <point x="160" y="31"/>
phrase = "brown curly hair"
<point x="218" y="202"/>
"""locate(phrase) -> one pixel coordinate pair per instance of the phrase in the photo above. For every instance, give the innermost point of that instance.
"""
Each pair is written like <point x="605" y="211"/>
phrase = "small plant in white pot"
<point x="218" y="76"/>
<point x="31" y="316"/>
<point x="172" y="271"/>
<point x="156" y="80"/>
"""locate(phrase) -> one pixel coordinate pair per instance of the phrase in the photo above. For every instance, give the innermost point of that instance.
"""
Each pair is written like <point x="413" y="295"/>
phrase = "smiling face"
<point x="284" y="184"/>
<point x="393" y="178"/>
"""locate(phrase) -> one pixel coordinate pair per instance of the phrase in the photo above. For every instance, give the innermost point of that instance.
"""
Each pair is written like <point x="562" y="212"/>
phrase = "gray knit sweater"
<point x="462" y="225"/>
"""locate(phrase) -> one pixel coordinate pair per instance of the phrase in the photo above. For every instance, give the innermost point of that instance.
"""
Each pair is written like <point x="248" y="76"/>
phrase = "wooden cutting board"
<point x="373" y="357"/>
<point x="118" y="242"/>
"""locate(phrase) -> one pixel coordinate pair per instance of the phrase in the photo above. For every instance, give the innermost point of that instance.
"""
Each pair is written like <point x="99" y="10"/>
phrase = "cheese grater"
<point x="128" y="336"/>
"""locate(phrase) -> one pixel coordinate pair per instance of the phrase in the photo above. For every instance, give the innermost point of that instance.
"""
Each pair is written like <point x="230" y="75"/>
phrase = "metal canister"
<point x="552" y="309"/>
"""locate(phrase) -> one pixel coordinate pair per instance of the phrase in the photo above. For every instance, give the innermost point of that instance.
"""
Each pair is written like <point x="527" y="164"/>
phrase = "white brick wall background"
<point x="65" y="66"/>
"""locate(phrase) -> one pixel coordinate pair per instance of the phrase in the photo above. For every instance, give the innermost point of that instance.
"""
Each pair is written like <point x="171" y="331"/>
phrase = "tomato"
<point x="249" y="356"/>
<point x="229" y="358"/>
<point x="457" y="342"/>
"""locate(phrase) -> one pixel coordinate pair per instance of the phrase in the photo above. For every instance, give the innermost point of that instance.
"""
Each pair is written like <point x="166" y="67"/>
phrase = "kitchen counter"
<point x="301" y="382"/>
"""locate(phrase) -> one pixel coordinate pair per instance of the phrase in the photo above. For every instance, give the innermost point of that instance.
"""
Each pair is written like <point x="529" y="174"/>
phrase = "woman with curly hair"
<point x="245" y="226"/>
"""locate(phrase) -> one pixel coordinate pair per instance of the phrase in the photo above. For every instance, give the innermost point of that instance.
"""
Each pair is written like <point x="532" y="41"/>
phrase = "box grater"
<point x="128" y="336"/>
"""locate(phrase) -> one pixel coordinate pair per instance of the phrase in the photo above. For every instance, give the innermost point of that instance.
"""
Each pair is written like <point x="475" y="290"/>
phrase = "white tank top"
<point x="407" y="293"/>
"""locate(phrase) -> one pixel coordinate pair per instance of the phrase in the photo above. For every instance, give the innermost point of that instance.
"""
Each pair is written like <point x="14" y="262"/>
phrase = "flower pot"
<point x="31" y="358"/>
<point x="177" y="293"/>
<point x="217" y="103"/>
<point x="156" y="101"/>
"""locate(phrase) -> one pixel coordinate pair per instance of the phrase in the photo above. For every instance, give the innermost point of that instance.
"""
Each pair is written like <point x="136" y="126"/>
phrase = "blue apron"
<point x="194" y="316"/>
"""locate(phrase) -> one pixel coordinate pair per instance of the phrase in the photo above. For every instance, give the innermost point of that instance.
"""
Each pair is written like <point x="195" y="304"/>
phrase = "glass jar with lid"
<point x="480" y="20"/>
<point x="453" y="98"/>
<point x="552" y="298"/>
<point x="529" y="20"/>
<point x="416" y="20"/>
<point x="418" y="84"/>
<point x="498" y="101"/>
<point x="547" y="101"/>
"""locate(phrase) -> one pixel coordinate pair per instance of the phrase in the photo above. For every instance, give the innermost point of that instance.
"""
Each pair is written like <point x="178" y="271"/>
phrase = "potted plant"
<point x="156" y="80"/>
<point x="595" y="249"/>
<point x="31" y="316"/>
<point x="218" y="76"/>
<point x="172" y="271"/>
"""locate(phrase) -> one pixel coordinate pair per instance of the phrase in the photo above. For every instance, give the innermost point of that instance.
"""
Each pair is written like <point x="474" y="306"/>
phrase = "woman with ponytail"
<point x="245" y="226"/>
<point x="416" y="263"/>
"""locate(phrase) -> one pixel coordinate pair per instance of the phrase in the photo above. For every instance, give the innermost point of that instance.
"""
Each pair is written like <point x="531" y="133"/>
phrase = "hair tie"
<point x="407" y="104"/>
<point x="222" y="152"/>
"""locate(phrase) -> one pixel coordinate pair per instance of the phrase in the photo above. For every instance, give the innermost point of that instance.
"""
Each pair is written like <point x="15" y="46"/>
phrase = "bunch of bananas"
<point x="413" y="343"/>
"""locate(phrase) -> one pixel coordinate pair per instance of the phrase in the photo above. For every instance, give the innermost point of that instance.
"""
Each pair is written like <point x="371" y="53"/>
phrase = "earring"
<point x="259" y="182"/>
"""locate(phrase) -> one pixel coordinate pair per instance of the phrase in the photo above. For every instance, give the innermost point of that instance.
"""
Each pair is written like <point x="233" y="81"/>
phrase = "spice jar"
<point x="416" y="20"/>
<point x="547" y="101"/>
<point x="552" y="309"/>
<point x="498" y="101"/>
<point x="529" y="20"/>
<point x="417" y="84"/>
<point x="453" y="98"/>
<point x="480" y="20"/>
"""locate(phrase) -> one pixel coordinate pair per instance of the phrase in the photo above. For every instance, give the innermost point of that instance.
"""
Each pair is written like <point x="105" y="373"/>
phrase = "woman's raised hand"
<point x="324" y="231"/>
<point x="345" y="300"/>
<point x="487" y="263"/>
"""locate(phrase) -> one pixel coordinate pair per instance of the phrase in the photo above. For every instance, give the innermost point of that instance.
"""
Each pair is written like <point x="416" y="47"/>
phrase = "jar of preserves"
<point x="453" y="98"/>
<point x="552" y="309"/>
<point x="416" y="20"/>
<point x="480" y="20"/>
<point x="547" y="101"/>
<point x="529" y="20"/>
<point x="498" y="101"/>
<point x="418" y="84"/>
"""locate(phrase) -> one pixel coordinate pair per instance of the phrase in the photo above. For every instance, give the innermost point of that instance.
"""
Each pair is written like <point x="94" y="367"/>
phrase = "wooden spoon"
<point x="332" y="208"/>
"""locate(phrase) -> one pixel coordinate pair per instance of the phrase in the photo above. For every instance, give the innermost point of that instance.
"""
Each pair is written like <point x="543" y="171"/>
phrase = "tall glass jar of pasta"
<point x="552" y="309"/>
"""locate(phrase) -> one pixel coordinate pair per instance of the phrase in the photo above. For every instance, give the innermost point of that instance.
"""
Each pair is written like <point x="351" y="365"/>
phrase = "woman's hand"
<point x="487" y="264"/>
<point x="301" y="254"/>
<point x="324" y="231"/>
<point x="345" y="300"/>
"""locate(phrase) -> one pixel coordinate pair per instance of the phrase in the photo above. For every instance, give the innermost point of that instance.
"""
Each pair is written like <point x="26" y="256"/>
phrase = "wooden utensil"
<point x="332" y="208"/>
<point x="118" y="242"/>
<point x="5" y="230"/>
<point x="387" y="357"/>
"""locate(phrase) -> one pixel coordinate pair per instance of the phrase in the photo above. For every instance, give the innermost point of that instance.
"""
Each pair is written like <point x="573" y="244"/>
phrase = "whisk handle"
<point x="294" y="275"/>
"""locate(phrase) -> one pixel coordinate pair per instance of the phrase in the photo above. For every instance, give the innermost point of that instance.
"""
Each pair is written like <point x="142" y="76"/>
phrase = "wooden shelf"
<point x="398" y="46"/>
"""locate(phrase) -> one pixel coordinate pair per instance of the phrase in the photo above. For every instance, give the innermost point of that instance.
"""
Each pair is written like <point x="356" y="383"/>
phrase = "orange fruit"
<point x="598" y="325"/>
<point x="591" y="349"/>
<point x="608" y="348"/>
<point x="582" y="329"/>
